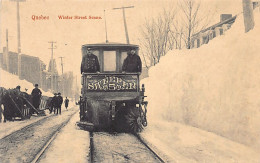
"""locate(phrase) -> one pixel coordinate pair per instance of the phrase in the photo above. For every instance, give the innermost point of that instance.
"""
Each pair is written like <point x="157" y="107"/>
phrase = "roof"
<point x="110" y="44"/>
<point x="228" y="21"/>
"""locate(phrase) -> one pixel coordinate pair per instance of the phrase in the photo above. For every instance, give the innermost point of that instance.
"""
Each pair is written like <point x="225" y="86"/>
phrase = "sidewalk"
<point x="181" y="143"/>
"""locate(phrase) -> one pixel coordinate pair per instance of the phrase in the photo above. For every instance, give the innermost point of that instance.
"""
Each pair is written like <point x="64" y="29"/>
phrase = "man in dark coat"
<point x="132" y="63"/>
<point x="36" y="97"/>
<point x="59" y="102"/>
<point x="53" y="105"/>
<point x="90" y="63"/>
<point x="66" y="103"/>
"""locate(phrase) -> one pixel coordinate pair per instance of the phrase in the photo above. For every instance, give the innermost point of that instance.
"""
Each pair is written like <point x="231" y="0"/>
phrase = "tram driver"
<point x="132" y="63"/>
<point x="90" y="63"/>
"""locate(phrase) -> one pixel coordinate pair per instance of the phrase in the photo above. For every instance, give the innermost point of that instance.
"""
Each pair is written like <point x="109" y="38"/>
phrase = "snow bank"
<point x="215" y="87"/>
<point x="8" y="80"/>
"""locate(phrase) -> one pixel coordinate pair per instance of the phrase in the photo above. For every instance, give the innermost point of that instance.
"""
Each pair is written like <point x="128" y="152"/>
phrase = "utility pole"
<point x="52" y="65"/>
<point x="18" y="36"/>
<point x="41" y="82"/>
<point x="126" y="32"/>
<point x="7" y="52"/>
<point x="63" y="82"/>
<point x="0" y="25"/>
<point x="105" y="25"/>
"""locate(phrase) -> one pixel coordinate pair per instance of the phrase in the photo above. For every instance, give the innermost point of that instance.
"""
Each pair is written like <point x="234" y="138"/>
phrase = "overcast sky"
<point x="71" y="34"/>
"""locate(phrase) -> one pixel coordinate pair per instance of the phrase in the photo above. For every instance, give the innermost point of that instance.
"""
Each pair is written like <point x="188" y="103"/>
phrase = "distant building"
<point x="204" y="36"/>
<point x="31" y="68"/>
<point x="226" y="21"/>
<point x="13" y="60"/>
<point x="56" y="78"/>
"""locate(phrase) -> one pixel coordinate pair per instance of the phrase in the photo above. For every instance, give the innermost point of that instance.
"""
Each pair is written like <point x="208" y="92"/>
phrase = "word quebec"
<point x="79" y="17"/>
<point x="40" y="17"/>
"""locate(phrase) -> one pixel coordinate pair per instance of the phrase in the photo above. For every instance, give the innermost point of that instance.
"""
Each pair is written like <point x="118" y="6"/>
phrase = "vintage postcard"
<point x="129" y="81"/>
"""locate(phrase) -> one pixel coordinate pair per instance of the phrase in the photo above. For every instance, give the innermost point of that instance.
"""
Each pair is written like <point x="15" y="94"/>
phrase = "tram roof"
<point x="110" y="44"/>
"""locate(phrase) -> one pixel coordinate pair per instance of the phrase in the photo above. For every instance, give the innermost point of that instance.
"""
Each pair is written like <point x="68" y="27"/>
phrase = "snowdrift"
<point x="8" y="80"/>
<point x="215" y="87"/>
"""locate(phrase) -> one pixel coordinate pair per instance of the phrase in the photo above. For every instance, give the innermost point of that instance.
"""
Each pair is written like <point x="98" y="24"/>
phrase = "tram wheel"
<point x="134" y="121"/>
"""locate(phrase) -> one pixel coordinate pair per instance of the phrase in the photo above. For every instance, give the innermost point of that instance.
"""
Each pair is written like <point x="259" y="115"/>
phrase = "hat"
<point x="36" y="85"/>
<point x="59" y="93"/>
<point x="18" y="87"/>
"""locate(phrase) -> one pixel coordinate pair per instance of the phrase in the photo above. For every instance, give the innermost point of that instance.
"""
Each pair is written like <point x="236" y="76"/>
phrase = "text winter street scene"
<point x="130" y="81"/>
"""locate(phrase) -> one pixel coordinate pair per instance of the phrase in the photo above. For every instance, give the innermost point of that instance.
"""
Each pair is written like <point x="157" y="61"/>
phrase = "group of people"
<point x="13" y="98"/>
<point x="132" y="62"/>
<point x="56" y="103"/>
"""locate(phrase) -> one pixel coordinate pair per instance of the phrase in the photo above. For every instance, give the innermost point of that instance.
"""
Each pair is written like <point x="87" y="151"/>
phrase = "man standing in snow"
<point x="36" y="97"/>
<point x="53" y="105"/>
<point x="59" y="102"/>
<point x="66" y="103"/>
<point x="132" y="63"/>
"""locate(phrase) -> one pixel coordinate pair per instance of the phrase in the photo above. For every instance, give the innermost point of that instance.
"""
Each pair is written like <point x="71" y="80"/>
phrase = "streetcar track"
<point x="137" y="136"/>
<point x="53" y="136"/>
<point x="147" y="146"/>
<point x="26" y="127"/>
<point x="91" y="146"/>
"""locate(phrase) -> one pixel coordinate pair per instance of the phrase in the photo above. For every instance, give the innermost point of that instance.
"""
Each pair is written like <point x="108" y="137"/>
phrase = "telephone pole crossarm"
<point x="126" y="32"/>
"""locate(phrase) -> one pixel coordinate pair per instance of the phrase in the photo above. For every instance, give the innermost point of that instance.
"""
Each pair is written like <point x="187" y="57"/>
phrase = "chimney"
<point x="255" y="4"/>
<point x="224" y="17"/>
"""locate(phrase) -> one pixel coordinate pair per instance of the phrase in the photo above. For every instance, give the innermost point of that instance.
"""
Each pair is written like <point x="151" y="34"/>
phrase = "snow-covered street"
<point x="23" y="144"/>
<point x="203" y="107"/>
<point x="172" y="141"/>
<point x="70" y="145"/>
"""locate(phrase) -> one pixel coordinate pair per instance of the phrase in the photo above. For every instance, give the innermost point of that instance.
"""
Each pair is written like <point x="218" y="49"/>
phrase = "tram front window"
<point x="109" y="61"/>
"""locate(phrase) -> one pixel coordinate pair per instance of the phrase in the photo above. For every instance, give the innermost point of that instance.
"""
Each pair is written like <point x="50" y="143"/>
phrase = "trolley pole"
<point x="126" y="32"/>
<point x="63" y="82"/>
<point x="18" y="36"/>
<point x="52" y="65"/>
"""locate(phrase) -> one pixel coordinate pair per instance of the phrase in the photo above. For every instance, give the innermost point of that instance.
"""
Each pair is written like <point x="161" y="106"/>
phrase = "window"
<point x="109" y="60"/>
<point x="123" y="57"/>
<point x="221" y="31"/>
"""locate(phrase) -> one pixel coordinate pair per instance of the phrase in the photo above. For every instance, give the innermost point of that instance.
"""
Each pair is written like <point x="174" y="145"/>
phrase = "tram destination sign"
<point x="112" y="83"/>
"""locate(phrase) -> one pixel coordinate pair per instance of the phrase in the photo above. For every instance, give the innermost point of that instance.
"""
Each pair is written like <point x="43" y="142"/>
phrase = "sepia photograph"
<point x="119" y="81"/>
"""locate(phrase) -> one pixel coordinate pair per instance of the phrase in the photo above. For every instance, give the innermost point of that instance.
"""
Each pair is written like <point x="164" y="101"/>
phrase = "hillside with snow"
<point x="215" y="87"/>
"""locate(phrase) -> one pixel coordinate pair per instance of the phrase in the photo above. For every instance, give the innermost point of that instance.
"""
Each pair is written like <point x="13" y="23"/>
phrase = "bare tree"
<point x="192" y="20"/>
<point x="171" y="30"/>
<point x="157" y="38"/>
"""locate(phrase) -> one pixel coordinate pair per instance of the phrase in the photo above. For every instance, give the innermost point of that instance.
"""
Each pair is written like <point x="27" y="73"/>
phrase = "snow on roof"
<point x="8" y="80"/>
